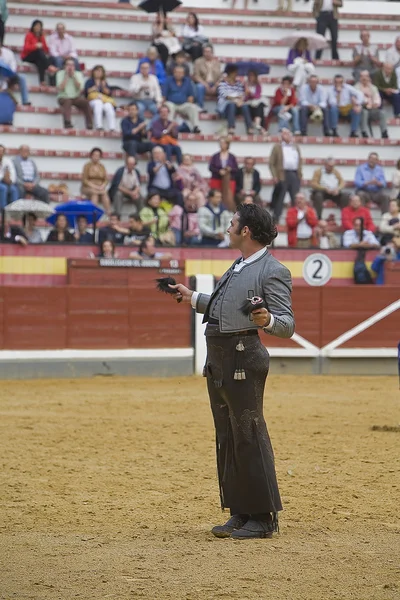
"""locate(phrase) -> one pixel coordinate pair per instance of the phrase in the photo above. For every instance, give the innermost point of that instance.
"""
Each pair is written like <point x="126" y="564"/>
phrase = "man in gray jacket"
<point x="237" y="367"/>
<point x="28" y="176"/>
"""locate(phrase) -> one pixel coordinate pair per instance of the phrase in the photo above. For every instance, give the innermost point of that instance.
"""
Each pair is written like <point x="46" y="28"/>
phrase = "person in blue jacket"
<point x="390" y="252"/>
<point x="156" y="65"/>
<point x="8" y="102"/>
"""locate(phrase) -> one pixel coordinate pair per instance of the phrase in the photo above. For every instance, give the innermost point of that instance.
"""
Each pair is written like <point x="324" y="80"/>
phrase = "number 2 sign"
<point x="317" y="269"/>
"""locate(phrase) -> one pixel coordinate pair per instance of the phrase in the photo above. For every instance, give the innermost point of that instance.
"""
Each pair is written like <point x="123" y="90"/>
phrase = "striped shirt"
<point x="28" y="169"/>
<point x="229" y="90"/>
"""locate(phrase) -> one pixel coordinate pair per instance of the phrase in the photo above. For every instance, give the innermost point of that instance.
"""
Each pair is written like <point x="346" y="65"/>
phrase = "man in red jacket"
<point x="356" y="209"/>
<point x="301" y="220"/>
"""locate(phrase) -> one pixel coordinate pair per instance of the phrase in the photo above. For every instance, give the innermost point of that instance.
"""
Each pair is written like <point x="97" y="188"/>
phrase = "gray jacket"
<point x="20" y="173"/>
<point x="265" y="277"/>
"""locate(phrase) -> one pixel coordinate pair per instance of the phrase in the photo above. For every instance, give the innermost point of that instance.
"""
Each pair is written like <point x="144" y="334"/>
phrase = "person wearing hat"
<point x="313" y="105"/>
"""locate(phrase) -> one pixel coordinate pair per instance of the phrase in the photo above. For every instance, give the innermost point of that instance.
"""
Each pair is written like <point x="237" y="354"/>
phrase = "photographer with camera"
<point x="390" y="252"/>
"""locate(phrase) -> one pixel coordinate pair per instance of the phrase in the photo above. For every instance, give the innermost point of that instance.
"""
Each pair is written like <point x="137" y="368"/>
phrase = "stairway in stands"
<point x="116" y="35"/>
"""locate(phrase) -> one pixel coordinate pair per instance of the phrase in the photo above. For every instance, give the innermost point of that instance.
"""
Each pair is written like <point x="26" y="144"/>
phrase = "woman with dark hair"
<point x="99" y="96"/>
<point x="107" y="249"/>
<point x="31" y="232"/>
<point x="254" y="100"/>
<point x="95" y="180"/>
<point x="224" y="168"/>
<point x="35" y="50"/>
<point x="193" y="36"/>
<point x="231" y="100"/>
<point x="155" y="217"/>
<point x="147" y="250"/>
<point x="299" y="62"/>
<point x="164" y="38"/>
<point x="60" y="233"/>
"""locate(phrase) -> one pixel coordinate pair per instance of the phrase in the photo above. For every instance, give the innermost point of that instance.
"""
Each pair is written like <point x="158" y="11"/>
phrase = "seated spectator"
<point x="206" y="75"/>
<point x="136" y="232"/>
<point x="192" y="182"/>
<point x="8" y="190"/>
<point x="70" y="86"/>
<point x="385" y="80"/>
<point x="61" y="47"/>
<point x="125" y="186"/>
<point x="193" y="36"/>
<point x="284" y="105"/>
<point x="164" y="38"/>
<point x="396" y="181"/>
<point x="147" y="250"/>
<point x="253" y="98"/>
<point x="162" y="177"/>
<point x="155" y="217"/>
<point x="390" y="222"/>
<point x="8" y="102"/>
<point x="30" y="231"/>
<point x="299" y="62"/>
<point x="389" y="253"/>
<point x="324" y="239"/>
<point x="248" y="200"/>
<point x="156" y="66"/>
<point x="214" y="220"/>
<point x="60" y="234"/>
<point x="231" y="95"/>
<point x="354" y="210"/>
<point x="7" y="57"/>
<point x="95" y="180"/>
<point x="327" y="184"/>
<point x="179" y="97"/>
<point x="99" y="96"/>
<point x="370" y="182"/>
<point x="184" y="222"/>
<point x="365" y="56"/>
<point x="146" y="91"/>
<point x="224" y="169"/>
<point x="28" y="176"/>
<point x="372" y="106"/>
<point x="313" y="105"/>
<point x="179" y="61"/>
<point x="346" y="102"/>
<point x="113" y="230"/>
<point x="301" y="221"/>
<point x="36" y="52"/>
<point x="107" y="249"/>
<point x="248" y="182"/>
<point x="392" y="55"/>
<point x="359" y="236"/>
<point x="82" y="235"/>
<point x="164" y="133"/>
<point x="133" y="129"/>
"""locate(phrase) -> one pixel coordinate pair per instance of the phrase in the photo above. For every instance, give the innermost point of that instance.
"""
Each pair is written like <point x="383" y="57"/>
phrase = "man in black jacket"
<point x="248" y="182"/>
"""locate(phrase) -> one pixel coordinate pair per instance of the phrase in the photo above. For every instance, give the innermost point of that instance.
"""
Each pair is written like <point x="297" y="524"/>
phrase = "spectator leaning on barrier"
<point x="178" y="93"/>
<point x="214" y="220"/>
<point x="284" y="106"/>
<point x="8" y="190"/>
<point x="60" y="234"/>
<point x="81" y="234"/>
<point x="133" y="129"/>
<point x="365" y="56"/>
<point x="386" y="81"/>
<point x="327" y="184"/>
<point x="31" y="232"/>
<point x="285" y="164"/>
<point x="392" y="55"/>
<point x="359" y="237"/>
<point x="301" y="220"/>
<point x="146" y="91"/>
<point x="389" y="253"/>
<point x="162" y="177"/>
<point x="355" y="210"/>
<point x="107" y="249"/>
<point x="206" y="75"/>
<point x="8" y="102"/>
<point x="125" y="186"/>
<point x="370" y="182"/>
<point x="248" y="181"/>
<point x="28" y="176"/>
<point x="184" y="222"/>
<point x="61" y="47"/>
<point x="313" y="105"/>
<point x="390" y="222"/>
<point x="164" y="133"/>
<point x="346" y="102"/>
<point x="70" y="86"/>
<point x="8" y="58"/>
<point x="372" y="105"/>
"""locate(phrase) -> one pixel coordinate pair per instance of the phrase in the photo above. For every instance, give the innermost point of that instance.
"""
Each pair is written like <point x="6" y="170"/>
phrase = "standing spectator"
<point x="248" y="182"/>
<point x="8" y="190"/>
<point x="214" y="220"/>
<point x="137" y="232"/>
<point x="114" y="231"/>
<point x="365" y="56"/>
<point x="326" y="13"/>
<point x="164" y="133"/>
<point x="299" y="62"/>
<point x="155" y="217"/>
<point x="35" y="50"/>
<point x="125" y="186"/>
<point x="224" y="168"/>
<point x="231" y="95"/>
<point x="389" y="253"/>
<point x="254" y="100"/>
<point x="28" y="176"/>
<point x="301" y="220"/>
<point x="3" y="19"/>
<point x="179" y="97"/>
<point x="284" y="105"/>
<point x="7" y="57"/>
<point x="8" y="102"/>
<point x="156" y="66"/>
<point x="95" y="180"/>
<point x="359" y="237"/>
<point x="206" y="74"/>
<point x="355" y="210"/>
<point x="146" y="91"/>
<point x="61" y="47"/>
<point x="99" y="96"/>
<point x="193" y="36"/>
<point x="285" y="164"/>
<point x="31" y="232"/>
<point x="327" y="184"/>
<point x="385" y="80"/>
<point x="313" y="101"/>
<point x="324" y="238"/>
<point x="393" y="53"/>
<point x="390" y="222"/>
<point x="164" y="38"/>
<point x="372" y="107"/>
<point x="370" y="182"/>
<point x="346" y="102"/>
<point x="60" y="234"/>
<point x="70" y="86"/>
<point x="82" y="235"/>
<point x="184" y="222"/>
<point x="133" y="132"/>
<point x="162" y="177"/>
<point x="192" y="182"/>
<point x="396" y="182"/>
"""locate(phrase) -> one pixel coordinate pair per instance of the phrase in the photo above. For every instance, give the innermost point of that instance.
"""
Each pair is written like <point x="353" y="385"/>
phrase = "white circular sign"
<point x="317" y="269"/>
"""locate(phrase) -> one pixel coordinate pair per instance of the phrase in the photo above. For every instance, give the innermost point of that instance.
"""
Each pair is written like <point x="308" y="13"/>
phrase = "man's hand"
<point x="261" y="317"/>
<point x="182" y="292"/>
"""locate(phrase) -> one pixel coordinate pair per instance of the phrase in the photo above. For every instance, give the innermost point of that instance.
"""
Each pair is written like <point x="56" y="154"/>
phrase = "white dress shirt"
<point x="351" y="237"/>
<point x="327" y="5"/>
<point x="8" y="164"/>
<point x="290" y="157"/>
<point x="304" y="231"/>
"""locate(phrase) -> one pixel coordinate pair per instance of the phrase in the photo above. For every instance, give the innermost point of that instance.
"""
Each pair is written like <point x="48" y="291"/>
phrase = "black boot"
<point x="225" y="531"/>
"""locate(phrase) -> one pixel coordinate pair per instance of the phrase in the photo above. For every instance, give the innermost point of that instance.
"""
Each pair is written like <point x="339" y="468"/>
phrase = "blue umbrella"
<point x="5" y="70"/>
<point x="76" y="208"/>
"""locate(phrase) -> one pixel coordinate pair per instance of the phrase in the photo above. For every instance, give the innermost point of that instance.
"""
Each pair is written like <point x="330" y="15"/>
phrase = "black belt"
<point x="290" y="170"/>
<point x="213" y="325"/>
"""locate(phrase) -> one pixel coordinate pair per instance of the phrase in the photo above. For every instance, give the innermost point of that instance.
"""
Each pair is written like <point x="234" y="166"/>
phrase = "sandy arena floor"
<point x="108" y="490"/>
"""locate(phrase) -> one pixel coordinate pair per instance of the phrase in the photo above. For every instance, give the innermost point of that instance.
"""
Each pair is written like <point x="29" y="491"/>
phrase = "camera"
<point x="388" y="251"/>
